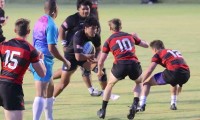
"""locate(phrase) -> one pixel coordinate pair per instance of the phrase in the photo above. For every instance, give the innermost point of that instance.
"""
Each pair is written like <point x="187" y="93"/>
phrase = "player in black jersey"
<point x="69" y="27"/>
<point x="3" y="19"/>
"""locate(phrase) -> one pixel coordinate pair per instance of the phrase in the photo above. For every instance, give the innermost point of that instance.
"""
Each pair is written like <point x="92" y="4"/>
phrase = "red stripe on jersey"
<point x="122" y="47"/>
<point x="16" y="56"/>
<point x="170" y="59"/>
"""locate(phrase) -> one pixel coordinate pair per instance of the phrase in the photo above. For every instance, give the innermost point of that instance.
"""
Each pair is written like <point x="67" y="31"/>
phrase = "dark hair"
<point x="90" y="21"/>
<point x="115" y="24"/>
<point x="157" y="44"/>
<point x="83" y="2"/>
<point x="22" y="26"/>
<point x="51" y="6"/>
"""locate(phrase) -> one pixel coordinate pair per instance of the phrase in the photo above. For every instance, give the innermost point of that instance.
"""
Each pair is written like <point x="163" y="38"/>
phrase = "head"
<point x="157" y="45"/>
<point x="91" y="26"/>
<point x="83" y="7"/>
<point x="115" y="25"/>
<point x="50" y="8"/>
<point x="22" y="27"/>
<point x="2" y="3"/>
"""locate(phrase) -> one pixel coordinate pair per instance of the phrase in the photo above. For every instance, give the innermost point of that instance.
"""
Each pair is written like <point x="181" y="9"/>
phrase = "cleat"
<point x="141" y="108"/>
<point x="114" y="97"/>
<point x="173" y="107"/>
<point x="96" y="93"/>
<point x="132" y="112"/>
<point x="101" y="113"/>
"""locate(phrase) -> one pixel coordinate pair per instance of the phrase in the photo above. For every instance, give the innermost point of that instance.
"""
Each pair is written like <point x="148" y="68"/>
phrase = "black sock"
<point x="136" y="100"/>
<point x="104" y="104"/>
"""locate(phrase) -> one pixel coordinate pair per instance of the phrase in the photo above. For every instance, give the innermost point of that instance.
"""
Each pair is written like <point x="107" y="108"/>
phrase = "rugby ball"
<point x="88" y="48"/>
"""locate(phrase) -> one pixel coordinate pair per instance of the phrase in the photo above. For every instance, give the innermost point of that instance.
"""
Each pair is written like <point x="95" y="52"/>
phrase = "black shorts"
<point x="73" y="61"/>
<point x="179" y="76"/>
<point x="11" y="96"/>
<point x="133" y="70"/>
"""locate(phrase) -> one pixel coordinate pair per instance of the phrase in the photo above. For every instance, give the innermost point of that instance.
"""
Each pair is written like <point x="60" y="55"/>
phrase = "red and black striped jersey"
<point x="16" y="55"/>
<point x="170" y="59"/>
<point x="122" y="46"/>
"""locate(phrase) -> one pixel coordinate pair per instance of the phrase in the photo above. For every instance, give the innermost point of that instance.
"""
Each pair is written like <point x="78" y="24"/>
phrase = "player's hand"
<point x="67" y="64"/>
<point x="100" y="73"/>
<point x="90" y="56"/>
<point x="41" y="55"/>
<point x="64" y="48"/>
<point x="92" y="60"/>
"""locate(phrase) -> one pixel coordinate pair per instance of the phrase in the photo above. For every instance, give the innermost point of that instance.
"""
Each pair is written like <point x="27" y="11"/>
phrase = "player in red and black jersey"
<point x="176" y="73"/>
<point x="16" y="55"/>
<point x="126" y="63"/>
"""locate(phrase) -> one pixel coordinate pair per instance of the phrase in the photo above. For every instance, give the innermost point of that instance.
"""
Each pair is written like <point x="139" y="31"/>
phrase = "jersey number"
<point x="125" y="44"/>
<point x="175" y="53"/>
<point x="11" y="62"/>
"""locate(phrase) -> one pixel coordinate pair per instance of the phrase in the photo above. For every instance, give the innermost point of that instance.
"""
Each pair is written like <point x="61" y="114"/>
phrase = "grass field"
<point x="177" y="25"/>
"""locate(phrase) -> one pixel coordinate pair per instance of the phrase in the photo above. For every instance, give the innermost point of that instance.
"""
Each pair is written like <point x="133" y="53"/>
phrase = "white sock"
<point x="143" y="100"/>
<point x="173" y="99"/>
<point x="48" y="108"/>
<point x="90" y="90"/>
<point x="38" y="105"/>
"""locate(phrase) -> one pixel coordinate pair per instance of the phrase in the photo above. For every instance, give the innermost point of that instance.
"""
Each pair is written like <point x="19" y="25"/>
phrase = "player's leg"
<point x="57" y="74"/>
<point x="86" y="75"/>
<point x="12" y="100"/>
<point x="102" y="79"/>
<point x="65" y="79"/>
<point x="41" y="85"/>
<point x="39" y="101"/>
<point x="174" y="95"/>
<point x="157" y="79"/>
<point x="48" y="103"/>
<point x="65" y="76"/>
<point x="106" y="96"/>
<point x="13" y="114"/>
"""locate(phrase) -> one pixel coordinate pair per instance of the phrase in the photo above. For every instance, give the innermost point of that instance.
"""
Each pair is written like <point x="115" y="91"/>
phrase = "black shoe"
<point x="141" y="108"/>
<point x="132" y="112"/>
<point x="173" y="107"/>
<point x="101" y="113"/>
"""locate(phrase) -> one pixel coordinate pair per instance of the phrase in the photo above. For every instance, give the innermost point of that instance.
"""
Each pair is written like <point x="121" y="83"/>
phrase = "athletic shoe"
<point x="96" y="93"/>
<point x="101" y="113"/>
<point x="173" y="107"/>
<point x="141" y="108"/>
<point x="132" y="112"/>
<point x="114" y="97"/>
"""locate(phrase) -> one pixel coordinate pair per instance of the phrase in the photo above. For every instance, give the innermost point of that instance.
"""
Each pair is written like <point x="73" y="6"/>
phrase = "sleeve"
<point x="52" y="34"/>
<point x="34" y="56"/>
<point x="68" y="23"/>
<point x="106" y="48"/>
<point x="156" y="58"/>
<point x="97" y="41"/>
<point x="136" y="38"/>
<point x="2" y="16"/>
<point x="78" y="48"/>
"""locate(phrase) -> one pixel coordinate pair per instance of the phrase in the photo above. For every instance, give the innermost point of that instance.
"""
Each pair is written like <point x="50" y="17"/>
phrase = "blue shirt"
<point x="45" y="32"/>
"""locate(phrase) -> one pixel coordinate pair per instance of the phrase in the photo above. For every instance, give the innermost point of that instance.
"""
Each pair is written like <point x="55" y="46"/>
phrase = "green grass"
<point x="177" y="25"/>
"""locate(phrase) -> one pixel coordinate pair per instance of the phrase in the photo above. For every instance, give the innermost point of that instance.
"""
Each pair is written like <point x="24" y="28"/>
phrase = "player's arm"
<point x="143" y="44"/>
<point x="101" y="61"/>
<point x="149" y="71"/>
<point x="97" y="53"/>
<point x="54" y="51"/>
<point x="140" y="42"/>
<point x="39" y="66"/>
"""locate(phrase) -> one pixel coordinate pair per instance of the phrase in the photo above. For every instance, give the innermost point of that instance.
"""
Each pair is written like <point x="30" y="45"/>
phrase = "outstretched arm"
<point x="148" y="72"/>
<point x="101" y="61"/>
